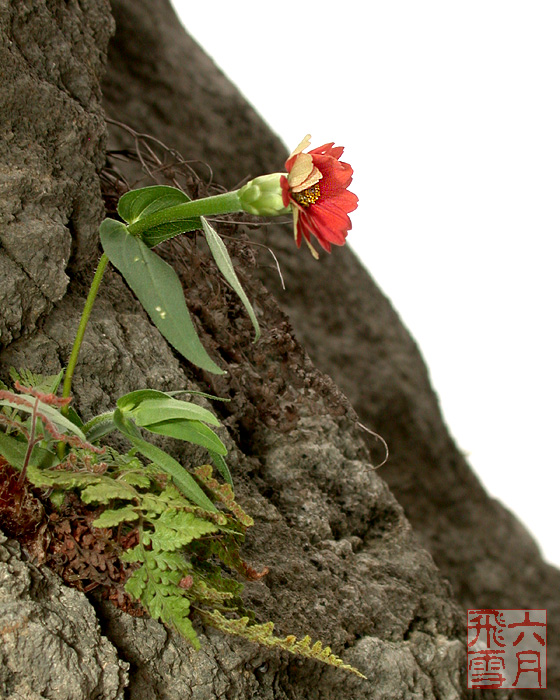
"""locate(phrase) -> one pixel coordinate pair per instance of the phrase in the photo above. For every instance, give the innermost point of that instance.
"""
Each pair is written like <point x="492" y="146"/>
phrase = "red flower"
<point x="316" y="189"/>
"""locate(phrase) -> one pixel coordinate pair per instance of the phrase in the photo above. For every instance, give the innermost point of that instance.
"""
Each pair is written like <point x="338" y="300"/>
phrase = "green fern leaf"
<point x="171" y="560"/>
<point x="107" y="490"/>
<point x="223" y="493"/>
<point x="136" y="583"/>
<point x="159" y="592"/>
<point x="47" y="384"/>
<point x="135" y="479"/>
<point x="132" y="555"/>
<point x="175" y="529"/>
<point x="175" y="611"/>
<point x="47" y="478"/>
<point x="264" y="635"/>
<point x="111" y="518"/>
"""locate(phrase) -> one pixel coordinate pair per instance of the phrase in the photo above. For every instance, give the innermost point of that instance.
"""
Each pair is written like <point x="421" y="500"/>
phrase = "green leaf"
<point x="100" y="429"/>
<point x="74" y="416"/>
<point x="134" y="479"/>
<point x="163" y="232"/>
<point x="133" y="554"/>
<point x="174" y="610"/>
<point x="264" y="634"/>
<point x="48" y="384"/>
<point x="111" y="518"/>
<point x="136" y="583"/>
<point x="221" y="466"/>
<point x="182" y="479"/>
<point x="106" y="490"/>
<point x="190" y="431"/>
<point x="49" y="478"/>
<point x="14" y="451"/>
<point x="136" y="204"/>
<point x="164" y="415"/>
<point x="170" y="560"/>
<point x="163" y="409"/>
<point x="158" y="289"/>
<point x="128" y="402"/>
<point x="225" y="265"/>
<point x="177" y="392"/>
<point x="49" y="412"/>
<point x="175" y="529"/>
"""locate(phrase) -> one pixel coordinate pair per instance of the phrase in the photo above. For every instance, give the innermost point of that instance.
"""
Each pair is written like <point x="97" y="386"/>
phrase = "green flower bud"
<point x="263" y="196"/>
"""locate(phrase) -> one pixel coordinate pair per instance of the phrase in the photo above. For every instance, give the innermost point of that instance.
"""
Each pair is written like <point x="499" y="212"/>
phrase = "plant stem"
<point x="67" y="386"/>
<point x="32" y="441"/>
<point x="209" y="206"/>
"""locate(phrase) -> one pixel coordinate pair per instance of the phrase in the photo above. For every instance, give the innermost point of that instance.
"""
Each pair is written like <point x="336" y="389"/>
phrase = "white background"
<point x="450" y="115"/>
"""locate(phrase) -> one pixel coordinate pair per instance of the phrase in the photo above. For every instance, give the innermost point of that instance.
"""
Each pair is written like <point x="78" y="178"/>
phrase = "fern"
<point x="47" y="384"/>
<point x="174" y="529"/>
<point x="179" y="564"/>
<point x="156" y="585"/>
<point x="223" y="493"/>
<point x="264" y="635"/>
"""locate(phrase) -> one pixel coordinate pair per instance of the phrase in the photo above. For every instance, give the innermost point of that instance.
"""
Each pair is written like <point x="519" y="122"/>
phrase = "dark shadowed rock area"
<point x="346" y="565"/>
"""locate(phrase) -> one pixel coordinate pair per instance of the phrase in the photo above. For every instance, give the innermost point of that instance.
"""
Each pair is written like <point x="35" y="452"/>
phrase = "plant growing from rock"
<point x="177" y="532"/>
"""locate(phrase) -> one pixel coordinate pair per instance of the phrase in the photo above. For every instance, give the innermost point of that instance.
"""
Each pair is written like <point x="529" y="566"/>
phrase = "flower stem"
<point x="67" y="386"/>
<point x="220" y="204"/>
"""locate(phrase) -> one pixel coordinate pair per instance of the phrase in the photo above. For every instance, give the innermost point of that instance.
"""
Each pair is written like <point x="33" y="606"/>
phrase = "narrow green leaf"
<point x="177" y="392"/>
<point x="74" y="416"/>
<point x="163" y="232"/>
<point x="156" y="410"/>
<point x="182" y="479"/>
<point x="190" y="431"/>
<point x="158" y="289"/>
<point x="136" y="204"/>
<point x="49" y="412"/>
<point x="225" y="265"/>
<point x="221" y="466"/>
<point x="128" y="402"/>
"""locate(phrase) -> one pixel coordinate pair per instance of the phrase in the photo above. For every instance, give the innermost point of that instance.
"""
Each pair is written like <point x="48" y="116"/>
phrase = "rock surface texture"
<point x="345" y="564"/>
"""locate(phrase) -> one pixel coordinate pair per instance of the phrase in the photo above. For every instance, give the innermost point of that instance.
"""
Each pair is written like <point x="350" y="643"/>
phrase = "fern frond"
<point x="264" y="634"/>
<point x="106" y="490"/>
<point x="223" y="493"/>
<point x="174" y="529"/>
<point x="227" y="550"/>
<point x="42" y="382"/>
<point x="113" y="517"/>
<point x="50" y="478"/>
<point x="156" y="585"/>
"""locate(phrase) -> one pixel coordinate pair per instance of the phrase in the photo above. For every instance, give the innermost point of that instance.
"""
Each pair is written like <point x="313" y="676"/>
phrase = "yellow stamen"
<point x="308" y="196"/>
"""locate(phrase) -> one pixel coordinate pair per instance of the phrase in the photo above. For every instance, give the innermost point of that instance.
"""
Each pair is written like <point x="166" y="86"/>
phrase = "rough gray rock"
<point x="50" y="642"/>
<point x="51" y="149"/>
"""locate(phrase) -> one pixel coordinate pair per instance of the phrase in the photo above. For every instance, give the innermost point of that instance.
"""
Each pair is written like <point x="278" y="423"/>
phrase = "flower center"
<point x="308" y="196"/>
